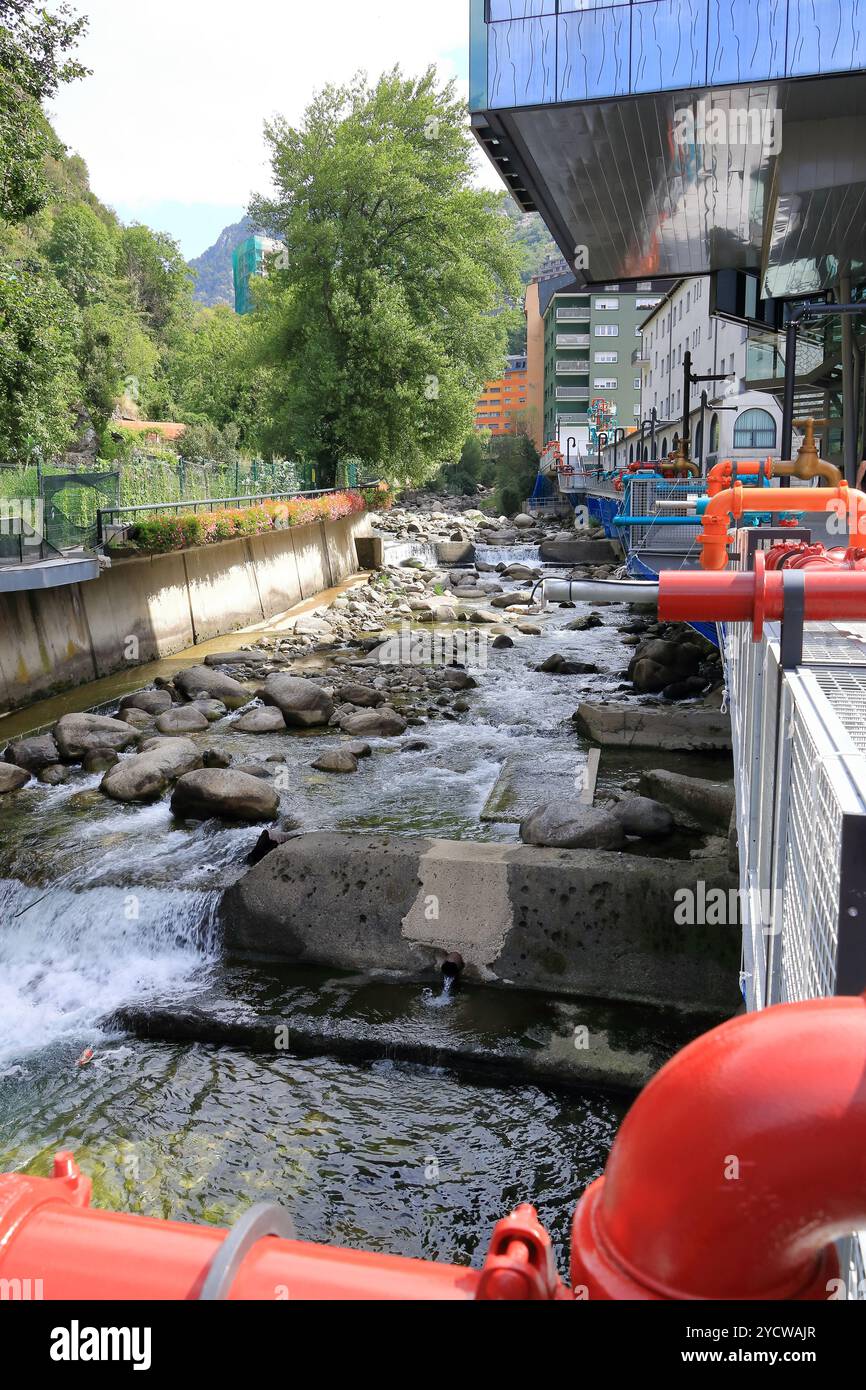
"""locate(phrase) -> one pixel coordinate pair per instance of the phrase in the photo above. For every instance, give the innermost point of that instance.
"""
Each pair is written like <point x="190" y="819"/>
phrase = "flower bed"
<point x="160" y="534"/>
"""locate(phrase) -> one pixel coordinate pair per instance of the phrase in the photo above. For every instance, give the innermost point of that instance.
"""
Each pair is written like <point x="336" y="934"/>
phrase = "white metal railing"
<point x="799" y="740"/>
<point x="572" y="393"/>
<point x="570" y="314"/>
<point x="573" y="366"/>
<point x="572" y="340"/>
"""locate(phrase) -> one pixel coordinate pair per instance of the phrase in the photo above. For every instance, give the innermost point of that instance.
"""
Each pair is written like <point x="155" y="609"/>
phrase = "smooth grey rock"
<point x="213" y="710"/>
<point x="501" y="642"/>
<point x="640" y="815"/>
<point x="364" y="696"/>
<point x="185" y="719"/>
<point x="268" y="720"/>
<point x="383" y="722"/>
<point x="359" y="749"/>
<point x="336" y="760"/>
<point x="454" y="679"/>
<point x="149" y="774"/>
<point x="100" y="760"/>
<point x="215" y="757"/>
<point x="150" y="701"/>
<point x="34" y="753"/>
<point x="225" y="793"/>
<point x="136" y="718"/>
<point x="79" y="734"/>
<point x="572" y="825"/>
<point x="196" y="680"/>
<point x="302" y="703"/>
<point x="54" y="776"/>
<point x="12" y="778"/>
<point x="709" y="804"/>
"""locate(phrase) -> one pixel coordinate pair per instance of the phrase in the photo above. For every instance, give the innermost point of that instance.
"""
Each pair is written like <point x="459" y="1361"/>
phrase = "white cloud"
<point x="181" y="89"/>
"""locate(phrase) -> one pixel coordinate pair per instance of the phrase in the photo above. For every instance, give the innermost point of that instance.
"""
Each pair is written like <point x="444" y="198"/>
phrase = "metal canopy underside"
<point x="610" y="177"/>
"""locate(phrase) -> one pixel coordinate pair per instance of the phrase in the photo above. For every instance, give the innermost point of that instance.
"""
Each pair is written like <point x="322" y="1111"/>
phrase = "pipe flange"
<point x="759" y="606"/>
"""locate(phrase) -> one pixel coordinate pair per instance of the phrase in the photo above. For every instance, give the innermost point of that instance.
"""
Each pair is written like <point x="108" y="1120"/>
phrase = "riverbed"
<point x="104" y="904"/>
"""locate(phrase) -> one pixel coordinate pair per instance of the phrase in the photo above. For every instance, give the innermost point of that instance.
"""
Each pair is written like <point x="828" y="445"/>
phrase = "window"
<point x="605" y="358"/>
<point x="607" y="304"/>
<point x="604" y="383"/>
<point x="714" y="435"/>
<point x="664" y="448"/>
<point x="607" y="330"/>
<point x="637" y="383"/>
<point x="644" y="285"/>
<point x="636" y="413"/>
<point x="631" y="453"/>
<point x="755" y="429"/>
<point x="612" y="287"/>
<point x="646" y="303"/>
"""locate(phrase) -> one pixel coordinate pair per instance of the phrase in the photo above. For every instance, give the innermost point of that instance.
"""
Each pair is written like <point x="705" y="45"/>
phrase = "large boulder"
<point x="559" y="665"/>
<point x="640" y="815"/>
<point x="364" y="696"/>
<point x="226" y="793"/>
<point x="146" y="776"/>
<point x="150" y="701"/>
<point x="336" y="760"/>
<point x="12" y="778"/>
<point x="616" y="725"/>
<point x="186" y="719"/>
<point x="302" y="703"/>
<point x="572" y="825"/>
<point x="76" y="735"/>
<point x="383" y="722"/>
<point x="268" y="720"/>
<point x="35" y="754"/>
<point x="201" y="680"/>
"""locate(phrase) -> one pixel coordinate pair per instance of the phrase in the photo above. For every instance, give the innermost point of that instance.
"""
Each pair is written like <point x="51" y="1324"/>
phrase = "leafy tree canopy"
<point x="380" y="314"/>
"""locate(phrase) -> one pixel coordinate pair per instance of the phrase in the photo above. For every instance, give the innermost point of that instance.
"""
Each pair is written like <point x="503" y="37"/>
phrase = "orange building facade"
<point x="503" y="402"/>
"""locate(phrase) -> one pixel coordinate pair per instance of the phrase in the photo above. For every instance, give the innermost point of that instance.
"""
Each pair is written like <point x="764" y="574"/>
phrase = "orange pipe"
<point x="845" y="502"/>
<point x="721" y="474"/>
<point x="738" y="1165"/>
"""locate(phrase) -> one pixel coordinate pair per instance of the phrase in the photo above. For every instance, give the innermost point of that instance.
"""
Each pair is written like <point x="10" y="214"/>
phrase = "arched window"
<point x="755" y="429"/>
<point x="631" y="453"/>
<point x="714" y="435"/>
<point x="664" y="448"/>
<point x="699" y="440"/>
<point x="676" y="444"/>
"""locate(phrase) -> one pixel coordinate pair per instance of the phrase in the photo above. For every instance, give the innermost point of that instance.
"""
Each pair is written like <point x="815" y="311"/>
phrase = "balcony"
<point x="568" y="315"/>
<point x="572" y="393"/>
<point x="639" y="358"/>
<point x="572" y="340"/>
<point x="573" y="366"/>
<point x="571" y="419"/>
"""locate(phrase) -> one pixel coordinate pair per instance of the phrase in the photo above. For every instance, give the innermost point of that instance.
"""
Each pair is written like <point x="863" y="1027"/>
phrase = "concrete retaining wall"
<point x="580" y="922"/>
<point x="144" y="609"/>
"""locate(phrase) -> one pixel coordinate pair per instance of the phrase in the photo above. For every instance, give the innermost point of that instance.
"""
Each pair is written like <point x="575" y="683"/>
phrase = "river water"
<point x="103" y="904"/>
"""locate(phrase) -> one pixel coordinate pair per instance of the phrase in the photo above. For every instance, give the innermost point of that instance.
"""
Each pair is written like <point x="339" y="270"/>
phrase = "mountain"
<point x="215" y="284"/>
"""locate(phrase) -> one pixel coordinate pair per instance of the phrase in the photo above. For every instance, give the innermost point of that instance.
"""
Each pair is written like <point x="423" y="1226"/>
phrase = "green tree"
<point x="83" y="252"/>
<point x="159" y="278"/>
<point x="116" y="358"/>
<point x="212" y="375"/>
<point x="38" y="378"/>
<point x="473" y="469"/>
<point x="33" y="64"/>
<point x="516" y="471"/>
<point x="378" y="321"/>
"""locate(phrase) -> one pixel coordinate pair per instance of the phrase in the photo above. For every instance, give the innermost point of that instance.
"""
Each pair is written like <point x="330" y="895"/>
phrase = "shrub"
<point x="160" y="534"/>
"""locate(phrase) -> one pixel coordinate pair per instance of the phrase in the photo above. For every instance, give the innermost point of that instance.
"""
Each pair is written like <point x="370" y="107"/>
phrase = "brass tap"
<point x="808" y="464"/>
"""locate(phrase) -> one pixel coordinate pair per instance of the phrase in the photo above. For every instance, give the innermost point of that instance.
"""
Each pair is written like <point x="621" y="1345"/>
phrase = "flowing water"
<point x="103" y="905"/>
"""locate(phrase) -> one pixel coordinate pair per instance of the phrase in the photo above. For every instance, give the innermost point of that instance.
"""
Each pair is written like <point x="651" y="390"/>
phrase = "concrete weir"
<point x="590" y="923"/>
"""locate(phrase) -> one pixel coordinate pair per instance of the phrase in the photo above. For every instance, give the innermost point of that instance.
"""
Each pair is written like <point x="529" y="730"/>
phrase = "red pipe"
<point x="758" y="595"/>
<point x="847" y="504"/>
<point x="738" y="1165"/>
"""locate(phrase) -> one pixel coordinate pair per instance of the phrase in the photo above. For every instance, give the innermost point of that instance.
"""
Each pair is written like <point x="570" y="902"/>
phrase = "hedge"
<point x="160" y="534"/>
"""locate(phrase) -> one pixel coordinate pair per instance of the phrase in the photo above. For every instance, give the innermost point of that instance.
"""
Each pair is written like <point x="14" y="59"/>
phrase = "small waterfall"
<point x="507" y="554"/>
<point x="411" y="550"/>
<point x="67" y="958"/>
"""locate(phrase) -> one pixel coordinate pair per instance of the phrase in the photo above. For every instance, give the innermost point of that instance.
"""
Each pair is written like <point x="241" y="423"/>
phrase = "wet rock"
<point x="359" y="749"/>
<point x="455" y="679"/>
<point x="238" y="658"/>
<point x="684" y="690"/>
<point x="483" y="615"/>
<point x="616" y="725"/>
<point x="529" y="629"/>
<point x="414" y="745"/>
<point x="77" y="735"/>
<point x="34" y="754"/>
<point x="230" y="795"/>
<point x="268" y="720"/>
<point x="501" y="642"/>
<point x="149" y="701"/>
<point x="54" y="775"/>
<point x="268" y="841"/>
<point x="12" y="778"/>
<point x="212" y="710"/>
<point x="186" y="719"/>
<point x="216" y="685"/>
<point x="136" y="719"/>
<point x="148" y="775"/>
<point x="362" y="696"/>
<point x="571" y="825"/>
<point x="336" y="760"/>
<point x="639" y="815"/>
<point x="585" y="624"/>
<point x="302" y="703"/>
<point x="559" y="665"/>
<point x="523" y="522"/>
<point x="262" y="770"/>
<point x="508" y="600"/>
<point x="384" y="722"/>
<point x="213" y="757"/>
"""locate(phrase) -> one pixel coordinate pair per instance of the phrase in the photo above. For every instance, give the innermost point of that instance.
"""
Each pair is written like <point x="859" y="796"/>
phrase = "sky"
<point x="171" y="121"/>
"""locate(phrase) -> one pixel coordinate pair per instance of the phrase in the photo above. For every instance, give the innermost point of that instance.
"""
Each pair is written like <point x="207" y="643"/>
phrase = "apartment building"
<point x="587" y="339"/>
<point x="501" y="407"/>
